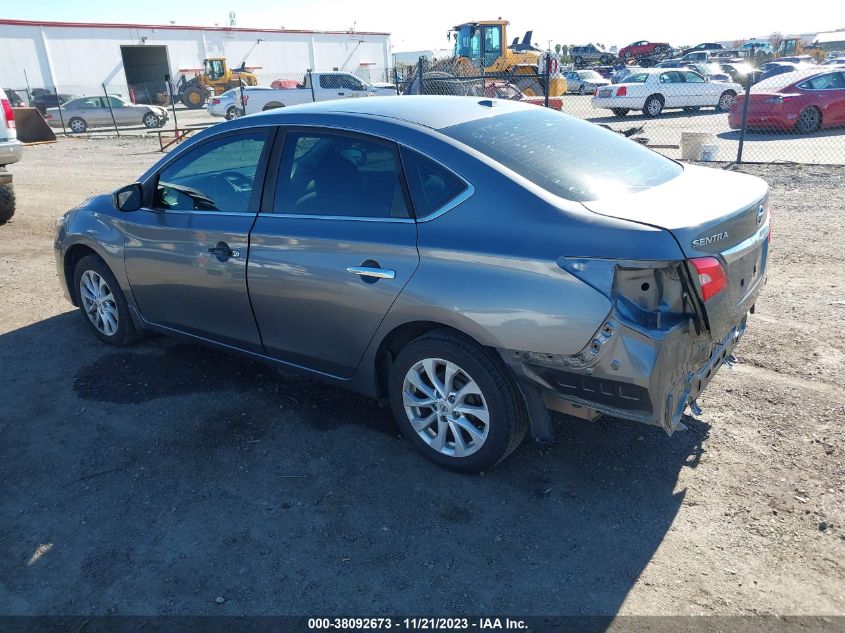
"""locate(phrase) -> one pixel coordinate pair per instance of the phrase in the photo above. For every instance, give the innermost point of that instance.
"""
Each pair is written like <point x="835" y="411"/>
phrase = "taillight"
<point x="711" y="276"/>
<point x="7" y="112"/>
<point x="215" y="102"/>
<point x="622" y="91"/>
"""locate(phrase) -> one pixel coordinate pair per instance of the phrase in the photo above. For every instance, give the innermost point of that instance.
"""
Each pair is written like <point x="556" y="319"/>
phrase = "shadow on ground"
<point x="156" y="478"/>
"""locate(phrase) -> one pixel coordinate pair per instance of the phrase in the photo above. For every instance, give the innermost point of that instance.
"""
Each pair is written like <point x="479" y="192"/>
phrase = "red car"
<point x="801" y="101"/>
<point x="643" y="48"/>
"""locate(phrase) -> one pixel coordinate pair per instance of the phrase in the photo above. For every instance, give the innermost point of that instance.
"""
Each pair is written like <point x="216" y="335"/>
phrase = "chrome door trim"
<point x="366" y="271"/>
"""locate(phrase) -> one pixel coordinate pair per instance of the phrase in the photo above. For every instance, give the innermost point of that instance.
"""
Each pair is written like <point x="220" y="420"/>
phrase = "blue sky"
<point x="424" y="25"/>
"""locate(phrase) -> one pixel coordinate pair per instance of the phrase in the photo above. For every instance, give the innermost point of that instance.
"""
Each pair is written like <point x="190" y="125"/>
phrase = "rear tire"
<point x="809" y="121"/>
<point x="101" y="302"/>
<point x="653" y="106"/>
<point x="7" y="202"/>
<point x="480" y="395"/>
<point x="234" y="112"/>
<point x="620" y="111"/>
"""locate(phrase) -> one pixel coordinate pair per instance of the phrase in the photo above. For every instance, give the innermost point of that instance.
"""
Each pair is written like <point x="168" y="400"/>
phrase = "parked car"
<point x="580" y="290"/>
<point x="44" y="100"/>
<point x="605" y="71"/>
<point x="697" y="57"/>
<point x="10" y="153"/>
<point x="802" y="101"/>
<point x="740" y="71"/>
<point x="80" y="114"/>
<point x="653" y="90"/>
<point x="584" y="81"/>
<point x="505" y="90"/>
<point x="643" y="48"/>
<point x="327" y="86"/>
<point x="622" y="73"/>
<point x="704" y="46"/>
<point x="797" y="59"/>
<point x="757" y="47"/>
<point x="14" y="98"/>
<point x="834" y="61"/>
<point x="590" y="53"/>
<point x="674" y="63"/>
<point x="228" y="105"/>
<point x="772" y="69"/>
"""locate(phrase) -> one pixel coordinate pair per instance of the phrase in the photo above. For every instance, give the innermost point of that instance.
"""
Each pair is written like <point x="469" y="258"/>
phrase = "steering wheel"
<point x="237" y="181"/>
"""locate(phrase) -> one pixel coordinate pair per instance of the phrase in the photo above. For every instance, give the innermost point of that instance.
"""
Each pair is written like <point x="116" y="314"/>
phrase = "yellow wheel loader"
<point x="215" y="76"/>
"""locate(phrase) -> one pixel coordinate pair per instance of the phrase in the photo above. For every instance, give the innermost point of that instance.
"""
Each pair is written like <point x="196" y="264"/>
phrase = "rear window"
<point x="637" y="78"/>
<point x="567" y="157"/>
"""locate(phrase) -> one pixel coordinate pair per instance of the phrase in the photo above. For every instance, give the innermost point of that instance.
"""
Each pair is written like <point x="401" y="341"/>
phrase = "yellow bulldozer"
<point x="484" y="46"/>
<point x="794" y="46"/>
<point x="215" y="75"/>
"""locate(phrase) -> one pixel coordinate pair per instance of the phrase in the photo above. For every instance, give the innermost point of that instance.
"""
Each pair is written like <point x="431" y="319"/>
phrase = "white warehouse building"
<point x="78" y="58"/>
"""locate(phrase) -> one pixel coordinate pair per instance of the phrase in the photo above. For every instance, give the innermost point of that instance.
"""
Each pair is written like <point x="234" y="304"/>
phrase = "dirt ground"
<point x="157" y="479"/>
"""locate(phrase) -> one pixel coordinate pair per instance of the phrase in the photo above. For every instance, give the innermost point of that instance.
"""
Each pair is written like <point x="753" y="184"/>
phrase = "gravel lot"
<point x="159" y="478"/>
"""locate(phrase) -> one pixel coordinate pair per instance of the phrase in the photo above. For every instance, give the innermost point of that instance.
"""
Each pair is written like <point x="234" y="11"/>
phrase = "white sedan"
<point x="654" y="89"/>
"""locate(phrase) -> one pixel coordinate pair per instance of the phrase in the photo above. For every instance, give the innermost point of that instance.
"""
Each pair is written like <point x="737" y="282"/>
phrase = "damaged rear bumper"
<point x="626" y="372"/>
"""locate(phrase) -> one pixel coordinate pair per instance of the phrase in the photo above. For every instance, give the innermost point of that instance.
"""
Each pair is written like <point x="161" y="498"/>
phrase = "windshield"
<point x="568" y="157"/>
<point x="590" y="75"/>
<point x="468" y="42"/>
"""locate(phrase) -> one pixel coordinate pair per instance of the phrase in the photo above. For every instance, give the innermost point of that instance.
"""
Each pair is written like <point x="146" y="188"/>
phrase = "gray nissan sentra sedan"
<point x="474" y="263"/>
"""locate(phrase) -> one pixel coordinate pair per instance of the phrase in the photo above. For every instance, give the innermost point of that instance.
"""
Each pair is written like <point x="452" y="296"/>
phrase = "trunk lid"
<point x="713" y="213"/>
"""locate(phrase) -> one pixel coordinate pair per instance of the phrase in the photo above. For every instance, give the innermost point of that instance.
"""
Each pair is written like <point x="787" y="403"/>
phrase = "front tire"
<point x="193" y="98"/>
<point x="456" y="402"/>
<point x="102" y="303"/>
<point x="726" y="100"/>
<point x="653" y="106"/>
<point x="77" y="125"/>
<point x="150" y="120"/>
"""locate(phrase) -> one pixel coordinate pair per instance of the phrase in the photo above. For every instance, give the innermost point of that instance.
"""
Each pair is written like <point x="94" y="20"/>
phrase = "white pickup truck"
<point x="315" y="86"/>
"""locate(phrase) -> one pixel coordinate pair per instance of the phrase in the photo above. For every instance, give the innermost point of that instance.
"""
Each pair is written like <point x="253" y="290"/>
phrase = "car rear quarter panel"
<point x="489" y="267"/>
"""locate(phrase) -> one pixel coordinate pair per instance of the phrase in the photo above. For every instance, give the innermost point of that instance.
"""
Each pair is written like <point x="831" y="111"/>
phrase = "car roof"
<point x="783" y="80"/>
<point x="432" y="111"/>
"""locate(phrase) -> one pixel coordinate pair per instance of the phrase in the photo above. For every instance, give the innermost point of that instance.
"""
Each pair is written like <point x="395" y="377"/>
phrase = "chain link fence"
<point x="703" y="111"/>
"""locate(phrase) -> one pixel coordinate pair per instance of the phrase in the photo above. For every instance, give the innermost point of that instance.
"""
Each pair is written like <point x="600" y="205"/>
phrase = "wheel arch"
<point x="272" y="106"/>
<point x="396" y="339"/>
<point x="71" y="258"/>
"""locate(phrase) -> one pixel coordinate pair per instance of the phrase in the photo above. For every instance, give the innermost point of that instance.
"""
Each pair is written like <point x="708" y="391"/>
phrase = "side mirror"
<point x="129" y="198"/>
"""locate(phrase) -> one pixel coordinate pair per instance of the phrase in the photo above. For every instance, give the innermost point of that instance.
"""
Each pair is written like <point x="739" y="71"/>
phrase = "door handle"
<point x="223" y="252"/>
<point x="375" y="273"/>
<point x="340" y="94"/>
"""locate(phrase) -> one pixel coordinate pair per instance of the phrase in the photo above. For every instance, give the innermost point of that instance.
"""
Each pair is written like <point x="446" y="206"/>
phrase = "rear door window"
<point x="339" y="175"/>
<point x="432" y="186"/>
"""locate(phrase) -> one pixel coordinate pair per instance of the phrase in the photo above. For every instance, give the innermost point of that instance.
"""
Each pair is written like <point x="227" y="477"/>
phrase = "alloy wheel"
<point x="98" y="302"/>
<point x="445" y="407"/>
<point x="808" y="121"/>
